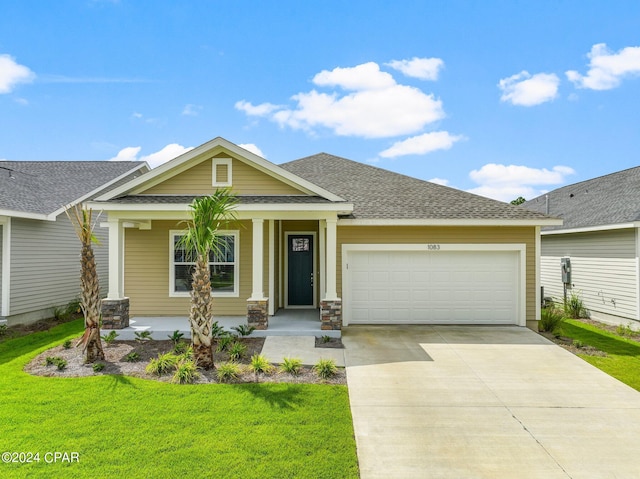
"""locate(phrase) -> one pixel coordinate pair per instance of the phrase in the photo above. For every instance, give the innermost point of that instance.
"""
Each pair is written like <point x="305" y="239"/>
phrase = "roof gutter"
<point x="589" y="229"/>
<point x="448" y="222"/>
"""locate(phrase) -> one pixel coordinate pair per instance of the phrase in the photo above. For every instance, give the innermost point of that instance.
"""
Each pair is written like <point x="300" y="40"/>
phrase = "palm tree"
<point x="90" y="295"/>
<point x="208" y="214"/>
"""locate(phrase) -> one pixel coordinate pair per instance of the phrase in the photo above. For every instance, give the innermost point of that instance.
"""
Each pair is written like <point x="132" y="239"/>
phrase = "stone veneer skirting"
<point x="258" y="313"/>
<point x="330" y="314"/>
<point x="115" y="313"/>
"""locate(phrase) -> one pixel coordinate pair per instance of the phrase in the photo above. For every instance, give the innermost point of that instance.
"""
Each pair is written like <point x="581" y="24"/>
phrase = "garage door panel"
<point x="461" y="287"/>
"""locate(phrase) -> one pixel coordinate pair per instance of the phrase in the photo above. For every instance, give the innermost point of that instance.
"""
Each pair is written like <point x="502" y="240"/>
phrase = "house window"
<point x="223" y="266"/>
<point x="222" y="172"/>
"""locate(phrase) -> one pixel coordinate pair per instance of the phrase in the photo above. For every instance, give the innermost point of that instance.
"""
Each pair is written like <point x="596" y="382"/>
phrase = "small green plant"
<point x="97" y="367"/>
<point x="237" y="351"/>
<point x="109" y="338"/>
<point x="260" y="365"/>
<point x="244" y="329"/>
<point x="132" y="357"/>
<point x="574" y="307"/>
<point x="187" y="354"/>
<point x="56" y="361"/>
<point x="578" y="343"/>
<point x="625" y="331"/>
<point x="228" y="371"/>
<point x="73" y="307"/>
<point x="162" y="364"/>
<point x="218" y="331"/>
<point x="180" y="348"/>
<point x="550" y="320"/>
<point x="67" y="344"/>
<point x="3" y="330"/>
<point x="186" y="372"/>
<point x="325" y="368"/>
<point x="292" y="366"/>
<point x="61" y="364"/>
<point x="176" y="336"/>
<point x="326" y="338"/>
<point x="51" y="360"/>
<point x="60" y="314"/>
<point x="143" y="336"/>
<point x="224" y="343"/>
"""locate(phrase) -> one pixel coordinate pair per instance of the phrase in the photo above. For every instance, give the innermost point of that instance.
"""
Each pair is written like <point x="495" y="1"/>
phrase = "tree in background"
<point x="518" y="201"/>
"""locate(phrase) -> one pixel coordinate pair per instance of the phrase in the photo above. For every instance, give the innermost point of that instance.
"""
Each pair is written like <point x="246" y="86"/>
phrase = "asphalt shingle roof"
<point x="382" y="194"/>
<point x="606" y="200"/>
<point x="42" y="187"/>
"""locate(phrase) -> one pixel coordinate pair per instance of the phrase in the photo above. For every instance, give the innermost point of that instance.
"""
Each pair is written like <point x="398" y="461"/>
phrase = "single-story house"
<point x="361" y="244"/>
<point x="39" y="250"/>
<point x="600" y="237"/>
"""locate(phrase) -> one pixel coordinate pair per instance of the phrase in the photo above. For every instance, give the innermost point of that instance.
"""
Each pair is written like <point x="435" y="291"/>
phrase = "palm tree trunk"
<point x="90" y="305"/>
<point x="200" y="315"/>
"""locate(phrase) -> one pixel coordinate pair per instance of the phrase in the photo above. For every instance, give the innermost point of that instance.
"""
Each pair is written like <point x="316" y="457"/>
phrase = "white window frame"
<point x="236" y="263"/>
<point x="221" y="161"/>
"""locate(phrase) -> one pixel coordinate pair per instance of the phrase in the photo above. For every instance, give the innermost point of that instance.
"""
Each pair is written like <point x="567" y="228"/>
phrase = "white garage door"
<point x="438" y="287"/>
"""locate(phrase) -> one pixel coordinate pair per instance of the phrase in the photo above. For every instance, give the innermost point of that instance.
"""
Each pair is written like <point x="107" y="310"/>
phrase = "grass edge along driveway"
<point x="623" y="355"/>
<point x="128" y="427"/>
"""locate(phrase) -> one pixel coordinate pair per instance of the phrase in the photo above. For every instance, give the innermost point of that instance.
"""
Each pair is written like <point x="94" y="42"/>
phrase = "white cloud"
<point x="12" y="73"/>
<point x="607" y="69"/>
<point x="252" y="148"/>
<point x="422" y="144"/>
<point x="507" y="182"/>
<point x="422" y="68"/>
<point x="439" y="181"/>
<point x="375" y="107"/>
<point x="167" y="153"/>
<point x="528" y="90"/>
<point x="191" y="110"/>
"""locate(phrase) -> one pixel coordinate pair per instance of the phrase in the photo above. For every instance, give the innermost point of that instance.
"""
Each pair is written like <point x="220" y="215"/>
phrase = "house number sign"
<point x="433" y="247"/>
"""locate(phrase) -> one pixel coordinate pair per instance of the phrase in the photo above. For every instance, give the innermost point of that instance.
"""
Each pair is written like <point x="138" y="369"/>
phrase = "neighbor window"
<point x="223" y="266"/>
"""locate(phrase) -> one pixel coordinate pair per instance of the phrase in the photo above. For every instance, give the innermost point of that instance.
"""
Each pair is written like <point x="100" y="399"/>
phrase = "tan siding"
<point x="596" y="244"/>
<point x="442" y="235"/>
<point x="147" y="273"/>
<point x="198" y="180"/>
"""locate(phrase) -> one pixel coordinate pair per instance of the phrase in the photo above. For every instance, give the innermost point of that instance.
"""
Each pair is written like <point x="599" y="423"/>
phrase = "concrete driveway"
<point x="485" y="402"/>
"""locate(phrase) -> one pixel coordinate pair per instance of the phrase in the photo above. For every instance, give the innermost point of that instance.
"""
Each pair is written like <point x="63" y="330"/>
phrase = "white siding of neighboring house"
<point x="45" y="266"/>
<point x="604" y="270"/>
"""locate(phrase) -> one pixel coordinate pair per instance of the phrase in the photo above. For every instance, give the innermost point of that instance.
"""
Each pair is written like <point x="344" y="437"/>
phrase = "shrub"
<point x="228" y="372"/>
<point x="61" y="364"/>
<point x="578" y="343"/>
<point x="237" y="351"/>
<point x="186" y="372"/>
<point x="67" y="344"/>
<point x="180" y="348"/>
<point x="143" y="336"/>
<point x="218" y="331"/>
<point x="187" y="354"/>
<point x="109" y="338"/>
<point x="3" y="330"/>
<point x="244" y="329"/>
<point x="325" y="368"/>
<point x="97" y="367"/>
<point x="176" y="336"/>
<point x="574" y="307"/>
<point x="550" y="320"/>
<point x="326" y="338"/>
<point x="224" y="343"/>
<point x="132" y="357"/>
<point x="260" y="364"/>
<point x="292" y="366"/>
<point x="162" y="364"/>
<point x="625" y="330"/>
<point x="56" y="361"/>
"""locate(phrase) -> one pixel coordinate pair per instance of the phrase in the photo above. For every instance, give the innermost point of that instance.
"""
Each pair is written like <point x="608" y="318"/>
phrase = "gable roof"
<point x="612" y="199"/>
<point x="379" y="194"/>
<point x="42" y="189"/>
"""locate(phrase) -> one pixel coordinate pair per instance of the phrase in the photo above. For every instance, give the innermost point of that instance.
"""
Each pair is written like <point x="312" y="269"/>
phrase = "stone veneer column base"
<point x="115" y="313"/>
<point x="258" y="313"/>
<point x="330" y="314"/>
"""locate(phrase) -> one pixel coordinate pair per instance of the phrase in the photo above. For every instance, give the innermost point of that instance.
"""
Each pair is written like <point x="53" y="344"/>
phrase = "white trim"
<point x="271" y="272"/>
<point x="322" y="246"/>
<point x="265" y="208"/>
<point x="538" y="254"/>
<point x="588" y="229"/>
<point x="25" y="215"/>
<point x="6" y="265"/>
<point x="116" y="258"/>
<point x="280" y="266"/>
<point x="236" y="262"/>
<point x="521" y="249"/>
<point x="257" y="258"/>
<point x="447" y="222"/>
<point x="286" y="269"/>
<point x="331" y="293"/>
<point x="211" y="148"/>
<point x="214" y="171"/>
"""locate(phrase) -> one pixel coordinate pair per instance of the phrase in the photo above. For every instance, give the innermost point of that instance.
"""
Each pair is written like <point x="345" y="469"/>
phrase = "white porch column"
<point x="257" y="292"/>
<point x="331" y="240"/>
<point x="5" y="270"/>
<point x="116" y="259"/>
<point x="322" y="233"/>
<point x="272" y="268"/>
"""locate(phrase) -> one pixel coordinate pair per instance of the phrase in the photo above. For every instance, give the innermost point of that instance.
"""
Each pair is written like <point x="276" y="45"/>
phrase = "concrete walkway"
<point x="485" y="402"/>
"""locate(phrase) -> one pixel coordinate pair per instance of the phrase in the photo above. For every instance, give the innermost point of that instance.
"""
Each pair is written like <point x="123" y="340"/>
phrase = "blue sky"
<point x="501" y="98"/>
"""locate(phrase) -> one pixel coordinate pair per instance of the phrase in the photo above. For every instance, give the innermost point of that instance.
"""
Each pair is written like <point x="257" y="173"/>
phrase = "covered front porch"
<point x="286" y="322"/>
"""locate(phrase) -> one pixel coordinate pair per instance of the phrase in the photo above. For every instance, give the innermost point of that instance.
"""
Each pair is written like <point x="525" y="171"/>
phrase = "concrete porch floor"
<point x="286" y="322"/>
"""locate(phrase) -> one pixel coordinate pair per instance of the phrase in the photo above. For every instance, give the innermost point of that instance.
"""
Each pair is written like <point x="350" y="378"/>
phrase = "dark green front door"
<point x="300" y="269"/>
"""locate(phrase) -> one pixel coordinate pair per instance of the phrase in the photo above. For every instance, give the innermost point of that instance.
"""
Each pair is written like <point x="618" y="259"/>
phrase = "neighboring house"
<point x="601" y="237"/>
<point x="361" y="244"/>
<point x="39" y="251"/>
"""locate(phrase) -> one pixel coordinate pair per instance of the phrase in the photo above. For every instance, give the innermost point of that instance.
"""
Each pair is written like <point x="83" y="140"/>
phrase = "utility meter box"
<point x="565" y="268"/>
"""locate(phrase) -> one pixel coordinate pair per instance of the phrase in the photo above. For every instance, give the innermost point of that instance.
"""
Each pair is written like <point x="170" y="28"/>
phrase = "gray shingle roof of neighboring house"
<point x="381" y="194"/>
<point x="607" y="200"/>
<point x="43" y="187"/>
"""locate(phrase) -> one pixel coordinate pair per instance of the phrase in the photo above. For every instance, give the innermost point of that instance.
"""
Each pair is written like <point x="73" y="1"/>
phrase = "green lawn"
<point x="623" y="355"/>
<point x="128" y="427"/>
